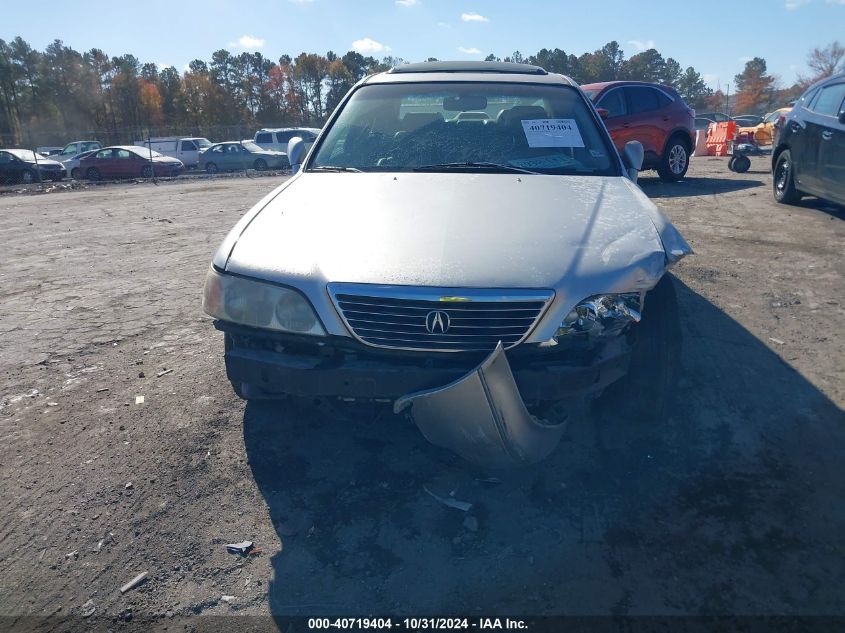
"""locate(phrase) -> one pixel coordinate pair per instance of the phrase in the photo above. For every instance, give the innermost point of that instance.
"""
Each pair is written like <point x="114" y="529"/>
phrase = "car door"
<point x="7" y="168"/>
<point x="104" y="163"/>
<point x="188" y="152"/>
<point x="616" y="120"/>
<point x="830" y="166"/>
<point x="643" y="119"/>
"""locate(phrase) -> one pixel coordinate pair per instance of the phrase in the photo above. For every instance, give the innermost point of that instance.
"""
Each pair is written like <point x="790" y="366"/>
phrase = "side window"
<point x="188" y="146"/>
<point x="124" y="154"/>
<point x="264" y="137"/>
<point x="70" y="150"/>
<point x="218" y="149"/>
<point x="5" y="158"/>
<point x="662" y="99"/>
<point x="284" y="137"/>
<point x="829" y="100"/>
<point x="614" y="103"/>
<point x="641" y="99"/>
<point x="106" y="153"/>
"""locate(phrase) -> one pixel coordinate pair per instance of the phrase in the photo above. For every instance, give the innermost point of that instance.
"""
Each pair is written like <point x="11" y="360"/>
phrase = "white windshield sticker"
<point x="552" y="133"/>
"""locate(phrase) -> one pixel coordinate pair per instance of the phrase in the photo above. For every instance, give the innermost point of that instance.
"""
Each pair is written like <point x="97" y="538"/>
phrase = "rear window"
<point x="284" y="137"/>
<point x="264" y="137"/>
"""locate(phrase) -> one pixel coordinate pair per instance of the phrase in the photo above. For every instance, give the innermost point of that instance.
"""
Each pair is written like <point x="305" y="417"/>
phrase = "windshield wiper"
<point x="474" y="165"/>
<point x="333" y="168"/>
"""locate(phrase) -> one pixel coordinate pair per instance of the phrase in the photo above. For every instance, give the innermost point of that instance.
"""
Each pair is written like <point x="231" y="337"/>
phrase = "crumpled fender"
<point x="482" y="418"/>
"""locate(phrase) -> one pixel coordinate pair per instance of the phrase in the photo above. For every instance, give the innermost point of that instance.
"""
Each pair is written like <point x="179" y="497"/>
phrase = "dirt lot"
<point x="733" y="507"/>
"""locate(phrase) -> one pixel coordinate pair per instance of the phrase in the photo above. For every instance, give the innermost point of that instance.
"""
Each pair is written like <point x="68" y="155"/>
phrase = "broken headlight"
<point x="602" y="315"/>
<point x="258" y="304"/>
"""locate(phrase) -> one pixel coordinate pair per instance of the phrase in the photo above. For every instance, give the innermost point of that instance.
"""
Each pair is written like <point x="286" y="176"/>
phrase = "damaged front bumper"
<point x="470" y="404"/>
<point x="482" y="417"/>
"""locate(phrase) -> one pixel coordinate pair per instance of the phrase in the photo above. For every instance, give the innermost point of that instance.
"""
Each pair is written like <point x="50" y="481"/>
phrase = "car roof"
<point x="287" y="129"/>
<point x="601" y="85"/>
<point x="468" y="71"/>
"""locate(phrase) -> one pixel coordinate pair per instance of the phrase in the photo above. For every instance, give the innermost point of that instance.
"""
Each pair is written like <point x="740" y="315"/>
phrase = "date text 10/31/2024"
<point x="417" y="624"/>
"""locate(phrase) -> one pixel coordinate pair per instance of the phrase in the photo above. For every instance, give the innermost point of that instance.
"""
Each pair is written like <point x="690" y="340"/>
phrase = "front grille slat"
<point x="396" y="317"/>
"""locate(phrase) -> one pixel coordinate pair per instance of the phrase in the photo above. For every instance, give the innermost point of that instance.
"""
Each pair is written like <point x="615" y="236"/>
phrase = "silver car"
<point x="490" y="277"/>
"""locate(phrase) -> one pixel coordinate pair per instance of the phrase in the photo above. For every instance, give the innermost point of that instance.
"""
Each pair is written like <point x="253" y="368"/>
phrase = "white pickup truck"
<point x="186" y="149"/>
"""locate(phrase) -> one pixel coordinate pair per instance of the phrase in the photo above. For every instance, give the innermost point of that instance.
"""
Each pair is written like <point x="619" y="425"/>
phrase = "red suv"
<point x="652" y="114"/>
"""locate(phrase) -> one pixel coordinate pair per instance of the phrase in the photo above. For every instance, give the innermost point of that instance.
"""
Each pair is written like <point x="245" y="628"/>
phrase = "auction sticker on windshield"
<point x="552" y="133"/>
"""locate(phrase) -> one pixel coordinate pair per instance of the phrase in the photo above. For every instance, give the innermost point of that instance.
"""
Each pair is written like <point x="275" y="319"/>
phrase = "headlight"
<point x="602" y="315"/>
<point x="258" y="304"/>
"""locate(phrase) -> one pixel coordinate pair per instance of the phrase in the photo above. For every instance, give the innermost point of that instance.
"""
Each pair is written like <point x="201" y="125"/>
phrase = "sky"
<point x="716" y="37"/>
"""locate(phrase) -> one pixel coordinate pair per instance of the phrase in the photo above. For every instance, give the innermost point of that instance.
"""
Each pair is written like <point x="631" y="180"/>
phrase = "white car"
<point x="489" y="276"/>
<point x="73" y="150"/>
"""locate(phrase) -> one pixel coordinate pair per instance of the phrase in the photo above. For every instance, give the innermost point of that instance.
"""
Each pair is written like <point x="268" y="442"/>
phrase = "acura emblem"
<point x="437" y="322"/>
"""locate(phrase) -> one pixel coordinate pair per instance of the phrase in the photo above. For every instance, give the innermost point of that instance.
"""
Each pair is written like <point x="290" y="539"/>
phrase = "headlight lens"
<point x="258" y="304"/>
<point x="602" y="315"/>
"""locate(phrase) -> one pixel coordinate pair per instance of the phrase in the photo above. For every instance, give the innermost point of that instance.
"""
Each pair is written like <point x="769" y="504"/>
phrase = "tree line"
<point x="48" y="96"/>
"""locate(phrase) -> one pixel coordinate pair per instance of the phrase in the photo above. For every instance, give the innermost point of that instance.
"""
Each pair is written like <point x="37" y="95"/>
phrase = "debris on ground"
<point x="125" y="615"/>
<point x="129" y="485"/>
<point x="139" y="399"/>
<point x="163" y="373"/>
<point x="88" y="609"/>
<point x="227" y="599"/>
<point x="776" y="340"/>
<point x="73" y="554"/>
<point x="448" y="501"/>
<point x="243" y="548"/>
<point x="52" y="404"/>
<point x="102" y="390"/>
<point x="137" y="580"/>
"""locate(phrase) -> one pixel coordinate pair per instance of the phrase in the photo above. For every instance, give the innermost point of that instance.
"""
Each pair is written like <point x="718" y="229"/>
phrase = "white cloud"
<point x="407" y="3"/>
<point x="794" y="4"/>
<point x="247" y="42"/>
<point x="368" y="46"/>
<point x="473" y="17"/>
<point x="641" y="45"/>
<point x="469" y="51"/>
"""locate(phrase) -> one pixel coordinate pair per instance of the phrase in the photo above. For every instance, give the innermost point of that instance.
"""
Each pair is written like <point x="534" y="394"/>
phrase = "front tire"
<point x="211" y="168"/>
<point x="675" y="160"/>
<point x="93" y="174"/>
<point x="783" y="181"/>
<point x="27" y="177"/>
<point x="260" y="165"/>
<point x="147" y="171"/>
<point x="76" y="173"/>
<point x="645" y="393"/>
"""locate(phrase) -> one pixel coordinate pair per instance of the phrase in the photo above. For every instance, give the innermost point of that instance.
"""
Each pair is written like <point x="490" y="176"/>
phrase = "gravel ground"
<point x="732" y="507"/>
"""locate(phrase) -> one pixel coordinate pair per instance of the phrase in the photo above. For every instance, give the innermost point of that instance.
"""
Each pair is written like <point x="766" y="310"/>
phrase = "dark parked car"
<point x="22" y="165"/>
<point x="809" y="154"/>
<point x="128" y="161"/>
<point x="718" y="117"/>
<point x="748" y="120"/>
<point x="235" y="156"/>
<point x="652" y="114"/>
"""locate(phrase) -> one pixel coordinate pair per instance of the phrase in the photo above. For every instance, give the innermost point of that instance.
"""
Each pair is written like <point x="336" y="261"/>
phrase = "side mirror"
<point x="632" y="157"/>
<point x="296" y="152"/>
<point x="842" y="117"/>
<point x="603" y="112"/>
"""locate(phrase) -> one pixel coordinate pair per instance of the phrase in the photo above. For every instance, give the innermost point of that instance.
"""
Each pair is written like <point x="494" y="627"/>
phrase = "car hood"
<point x="46" y="162"/>
<point x="576" y="235"/>
<point x="451" y="230"/>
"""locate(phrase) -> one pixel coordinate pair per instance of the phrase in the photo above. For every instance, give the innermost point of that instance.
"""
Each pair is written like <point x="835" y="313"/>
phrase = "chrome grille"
<point x="396" y="317"/>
